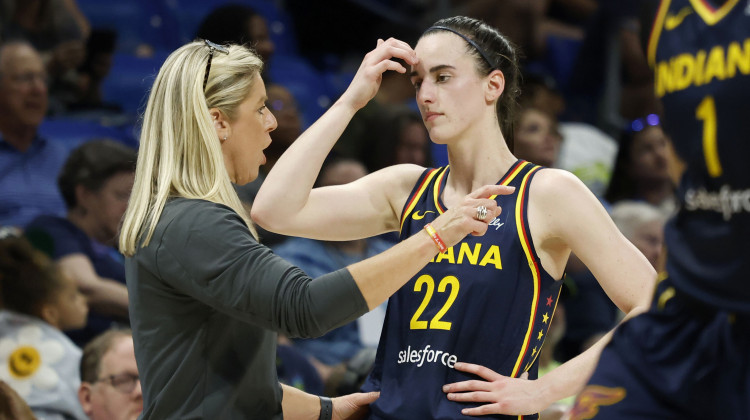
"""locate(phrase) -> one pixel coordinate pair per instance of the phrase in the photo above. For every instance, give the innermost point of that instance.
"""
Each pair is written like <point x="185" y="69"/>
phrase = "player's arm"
<point x="582" y="224"/>
<point x="568" y="217"/>
<point x="286" y="202"/>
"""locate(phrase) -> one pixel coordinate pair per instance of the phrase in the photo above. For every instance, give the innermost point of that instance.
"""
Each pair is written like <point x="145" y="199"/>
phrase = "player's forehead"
<point x="441" y="48"/>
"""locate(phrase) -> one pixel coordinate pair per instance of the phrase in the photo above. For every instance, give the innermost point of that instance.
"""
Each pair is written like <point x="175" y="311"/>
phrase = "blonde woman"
<point x="206" y="298"/>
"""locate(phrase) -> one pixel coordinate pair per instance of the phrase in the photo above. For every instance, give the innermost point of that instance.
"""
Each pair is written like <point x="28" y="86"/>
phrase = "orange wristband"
<point x="435" y="237"/>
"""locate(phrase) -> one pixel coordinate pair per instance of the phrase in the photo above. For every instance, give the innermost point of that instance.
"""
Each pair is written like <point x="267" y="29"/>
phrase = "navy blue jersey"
<point x="700" y="53"/>
<point x="486" y="300"/>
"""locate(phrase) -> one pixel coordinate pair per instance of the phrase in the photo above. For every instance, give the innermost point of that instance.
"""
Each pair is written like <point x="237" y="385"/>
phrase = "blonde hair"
<point x="180" y="152"/>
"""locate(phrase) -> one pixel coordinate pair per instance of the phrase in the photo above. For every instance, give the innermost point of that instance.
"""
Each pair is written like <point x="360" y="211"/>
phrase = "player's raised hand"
<point x="503" y="394"/>
<point x="366" y="81"/>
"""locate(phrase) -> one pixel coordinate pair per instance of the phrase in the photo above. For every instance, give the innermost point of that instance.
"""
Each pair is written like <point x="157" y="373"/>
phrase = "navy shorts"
<point x="680" y="360"/>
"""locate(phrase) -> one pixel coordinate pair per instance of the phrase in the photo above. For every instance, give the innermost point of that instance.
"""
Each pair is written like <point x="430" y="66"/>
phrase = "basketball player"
<point x="689" y="356"/>
<point x="486" y="300"/>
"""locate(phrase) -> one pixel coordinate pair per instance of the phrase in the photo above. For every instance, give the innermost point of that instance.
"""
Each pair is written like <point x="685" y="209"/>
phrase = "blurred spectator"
<point x="100" y="49"/>
<point x="403" y="139"/>
<point x="95" y="183"/>
<point x="284" y="108"/>
<point x="239" y="24"/>
<point x="642" y="168"/>
<point x="536" y="138"/>
<point x="110" y="385"/>
<point x="540" y="91"/>
<point x="643" y="224"/>
<point x="340" y="357"/>
<point x="362" y="138"/>
<point x="584" y="150"/>
<point x="36" y="359"/>
<point x="28" y="163"/>
<point x="12" y="406"/>
<point x="58" y="30"/>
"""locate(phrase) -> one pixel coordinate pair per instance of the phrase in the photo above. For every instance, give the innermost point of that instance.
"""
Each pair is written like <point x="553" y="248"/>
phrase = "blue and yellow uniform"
<point x="688" y="356"/>
<point x="486" y="300"/>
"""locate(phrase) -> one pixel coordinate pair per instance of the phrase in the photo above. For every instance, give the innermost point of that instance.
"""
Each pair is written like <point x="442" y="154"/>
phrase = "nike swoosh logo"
<point x="673" y="21"/>
<point x="417" y="216"/>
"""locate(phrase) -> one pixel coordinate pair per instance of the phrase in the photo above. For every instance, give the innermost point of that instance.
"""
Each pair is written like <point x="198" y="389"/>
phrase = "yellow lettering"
<point x="715" y="65"/>
<point x="683" y="68"/>
<point x="473" y="257"/>
<point x="738" y="58"/>
<point x="700" y="64"/>
<point x="492" y="256"/>
<point x="446" y="255"/>
<point x="663" y="79"/>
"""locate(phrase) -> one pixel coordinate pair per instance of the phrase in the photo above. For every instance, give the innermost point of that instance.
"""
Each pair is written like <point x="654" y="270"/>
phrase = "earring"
<point x="224" y="139"/>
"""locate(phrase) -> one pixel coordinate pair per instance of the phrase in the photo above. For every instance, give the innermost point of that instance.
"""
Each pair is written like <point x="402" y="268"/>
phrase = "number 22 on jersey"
<point x="436" y="323"/>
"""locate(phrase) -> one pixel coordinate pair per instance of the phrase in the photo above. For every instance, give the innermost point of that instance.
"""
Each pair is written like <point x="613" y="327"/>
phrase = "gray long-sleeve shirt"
<point x="206" y="301"/>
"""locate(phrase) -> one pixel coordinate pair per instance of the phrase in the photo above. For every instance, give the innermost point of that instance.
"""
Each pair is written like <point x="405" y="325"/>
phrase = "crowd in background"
<point x="73" y="80"/>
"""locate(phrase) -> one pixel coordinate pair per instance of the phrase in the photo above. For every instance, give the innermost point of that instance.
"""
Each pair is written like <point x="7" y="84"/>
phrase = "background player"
<point x="687" y="357"/>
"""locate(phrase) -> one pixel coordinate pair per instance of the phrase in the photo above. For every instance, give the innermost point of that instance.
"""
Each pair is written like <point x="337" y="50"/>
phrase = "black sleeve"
<point x="208" y="253"/>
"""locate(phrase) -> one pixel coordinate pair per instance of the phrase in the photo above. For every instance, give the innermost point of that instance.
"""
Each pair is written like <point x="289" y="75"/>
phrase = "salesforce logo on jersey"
<point x="726" y="201"/>
<point x="420" y="356"/>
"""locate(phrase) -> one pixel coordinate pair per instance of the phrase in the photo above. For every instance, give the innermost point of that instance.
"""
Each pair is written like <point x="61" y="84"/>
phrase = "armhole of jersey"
<point x="653" y="40"/>
<point x="419" y="188"/>
<point x="521" y="215"/>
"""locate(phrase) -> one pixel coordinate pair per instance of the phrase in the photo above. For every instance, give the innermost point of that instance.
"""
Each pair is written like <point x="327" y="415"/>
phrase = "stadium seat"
<point x="130" y="79"/>
<point x="73" y="132"/>
<point x="138" y="23"/>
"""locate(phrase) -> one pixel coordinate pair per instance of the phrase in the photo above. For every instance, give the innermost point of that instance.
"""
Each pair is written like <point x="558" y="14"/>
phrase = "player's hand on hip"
<point x="366" y="81"/>
<point x="504" y="395"/>
<point x="463" y="219"/>
<point x="353" y="406"/>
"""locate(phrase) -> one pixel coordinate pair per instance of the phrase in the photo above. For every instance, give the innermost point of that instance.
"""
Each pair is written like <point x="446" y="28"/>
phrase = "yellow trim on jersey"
<point x="512" y="176"/>
<point x="656" y="32"/>
<point x="436" y="191"/>
<point x="713" y="17"/>
<point x="530" y="259"/>
<point x="415" y="198"/>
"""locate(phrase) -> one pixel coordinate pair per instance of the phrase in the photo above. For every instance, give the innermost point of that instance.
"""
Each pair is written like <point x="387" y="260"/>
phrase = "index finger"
<point x="488" y="191"/>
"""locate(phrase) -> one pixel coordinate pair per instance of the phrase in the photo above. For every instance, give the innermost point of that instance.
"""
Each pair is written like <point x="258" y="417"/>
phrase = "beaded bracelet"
<point x="435" y="237"/>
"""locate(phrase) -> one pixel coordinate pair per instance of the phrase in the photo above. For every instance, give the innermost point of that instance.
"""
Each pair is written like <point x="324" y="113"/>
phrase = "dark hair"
<point x="621" y="184"/>
<point x="91" y="359"/>
<point x="227" y="25"/>
<point x="28" y="278"/>
<point x="93" y="164"/>
<point x="503" y="56"/>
